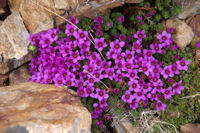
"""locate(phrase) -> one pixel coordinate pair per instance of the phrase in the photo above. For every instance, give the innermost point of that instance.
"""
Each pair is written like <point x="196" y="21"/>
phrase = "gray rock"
<point x="189" y="8"/>
<point x="13" y="43"/>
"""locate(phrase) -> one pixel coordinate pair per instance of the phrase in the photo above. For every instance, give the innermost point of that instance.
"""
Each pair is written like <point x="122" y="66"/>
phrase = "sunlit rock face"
<point x="38" y="108"/>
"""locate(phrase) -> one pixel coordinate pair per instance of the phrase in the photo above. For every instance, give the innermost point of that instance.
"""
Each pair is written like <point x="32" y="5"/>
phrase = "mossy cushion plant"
<point x="117" y="62"/>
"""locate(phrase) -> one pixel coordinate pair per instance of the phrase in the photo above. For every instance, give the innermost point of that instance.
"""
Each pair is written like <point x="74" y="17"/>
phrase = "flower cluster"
<point x="71" y="61"/>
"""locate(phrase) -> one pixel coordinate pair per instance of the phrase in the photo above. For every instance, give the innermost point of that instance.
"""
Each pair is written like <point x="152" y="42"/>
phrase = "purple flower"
<point x="33" y="39"/>
<point x="174" y="47"/>
<point x="127" y="66"/>
<point x="133" y="85"/>
<point x="101" y="94"/>
<point x="133" y="105"/>
<point x="122" y="37"/>
<point x="116" y="36"/>
<point x="94" y="115"/>
<point x="152" y="12"/>
<point x="130" y="38"/>
<point x="139" y="95"/>
<point x="97" y="27"/>
<point x="81" y="92"/>
<point x="129" y="55"/>
<point x="119" y="76"/>
<point x="167" y="92"/>
<point x="108" y="24"/>
<point x="174" y="68"/>
<point x="110" y="73"/>
<point x="140" y="35"/>
<point x="146" y="87"/>
<point x="164" y="37"/>
<point x="183" y="64"/>
<point x="127" y="97"/>
<point x="170" y="80"/>
<point x="160" y="106"/>
<point x="100" y="44"/>
<point x="103" y="103"/>
<point x="97" y="108"/>
<point x="153" y="95"/>
<point x="73" y="20"/>
<point x="99" y="123"/>
<point x="148" y="15"/>
<point x="145" y="68"/>
<point x="116" y="45"/>
<point x="81" y="35"/>
<point x="140" y="23"/>
<point x="70" y="29"/>
<point x="166" y="72"/>
<point x="197" y="45"/>
<point x="119" y="57"/>
<point x="53" y="35"/>
<point x="132" y="74"/>
<point x="156" y="80"/>
<point x="121" y="18"/>
<point x="177" y="87"/>
<point x="98" y="19"/>
<point x="90" y="91"/>
<point x="99" y="33"/>
<point x="139" y="18"/>
<point x="156" y="48"/>
<point x="137" y="46"/>
<point x="146" y="5"/>
<point x="176" y="57"/>
<point x="148" y="53"/>
<point x="170" y="30"/>
<point x="116" y="90"/>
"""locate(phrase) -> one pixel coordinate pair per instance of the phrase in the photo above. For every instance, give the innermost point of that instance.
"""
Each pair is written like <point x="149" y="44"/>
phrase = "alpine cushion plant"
<point x="73" y="59"/>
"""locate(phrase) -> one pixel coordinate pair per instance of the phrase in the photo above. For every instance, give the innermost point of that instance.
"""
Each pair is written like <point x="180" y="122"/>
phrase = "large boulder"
<point x="194" y="23"/>
<point x="42" y="19"/>
<point x="189" y="8"/>
<point x="183" y="33"/>
<point x="38" y="108"/>
<point x="13" y="43"/>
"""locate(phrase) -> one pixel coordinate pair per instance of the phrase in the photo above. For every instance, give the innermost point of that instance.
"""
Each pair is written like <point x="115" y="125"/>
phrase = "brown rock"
<point x="190" y="128"/>
<point x="194" y="23"/>
<point x="3" y="80"/>
<point x="13" y="43"/>
<point x="183" y="33"/>
<point x="189" y="8"/>
<point x="2" y="11"/>
<point x="20" y="75"/>
<point x="40" y="19"/>
<point x="39" y="108"/>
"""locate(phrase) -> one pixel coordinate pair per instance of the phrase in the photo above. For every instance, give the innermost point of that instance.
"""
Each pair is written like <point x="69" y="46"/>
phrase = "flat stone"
<point x="190" y="128"/>
<point x="13" y="43"/>
<point x="183" y="33"/>
<point x="194" y="23"/>
<point x="20" y="75"/>
<point x="39" y="108"/>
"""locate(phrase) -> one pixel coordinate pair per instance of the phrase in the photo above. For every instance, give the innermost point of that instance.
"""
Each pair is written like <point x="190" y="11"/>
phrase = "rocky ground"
<point x="44" y="108"/>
